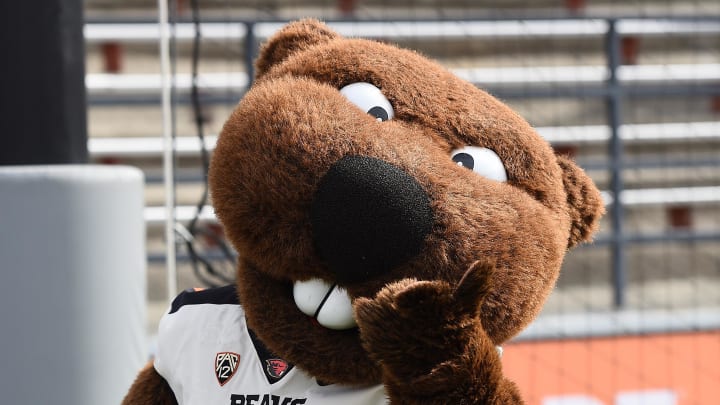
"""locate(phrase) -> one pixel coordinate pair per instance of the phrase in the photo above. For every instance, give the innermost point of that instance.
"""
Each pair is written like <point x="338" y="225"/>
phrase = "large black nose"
<point x="368" y="217"/>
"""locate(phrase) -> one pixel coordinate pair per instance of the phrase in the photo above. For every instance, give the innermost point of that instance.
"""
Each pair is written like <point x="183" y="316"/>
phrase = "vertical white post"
<point x="168" y="148"/>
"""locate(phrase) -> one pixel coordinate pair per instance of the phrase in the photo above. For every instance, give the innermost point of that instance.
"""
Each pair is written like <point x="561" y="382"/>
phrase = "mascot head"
<point x="352" y="164"/>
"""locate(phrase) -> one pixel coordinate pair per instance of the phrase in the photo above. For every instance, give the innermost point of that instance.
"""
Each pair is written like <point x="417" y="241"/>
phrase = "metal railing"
<point x="613" y="83"/>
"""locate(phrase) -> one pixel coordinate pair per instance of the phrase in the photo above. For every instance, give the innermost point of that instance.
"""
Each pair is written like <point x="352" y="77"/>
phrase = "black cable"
<point x="197" y="112"/>
<point x="196" y="259"/>
<point x="199" y="262"/>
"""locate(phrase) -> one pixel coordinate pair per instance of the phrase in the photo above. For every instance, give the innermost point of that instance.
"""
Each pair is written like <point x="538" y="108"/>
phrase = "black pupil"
<point x="378" y="112"/>
<point x="464" y="160"/>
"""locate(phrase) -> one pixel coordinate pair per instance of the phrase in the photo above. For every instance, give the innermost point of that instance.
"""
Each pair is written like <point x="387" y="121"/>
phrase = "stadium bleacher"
<point x="550" y="62"/>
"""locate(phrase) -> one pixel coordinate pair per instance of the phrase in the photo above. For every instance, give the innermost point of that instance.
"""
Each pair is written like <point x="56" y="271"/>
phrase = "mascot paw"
<point x="412" y="327"/>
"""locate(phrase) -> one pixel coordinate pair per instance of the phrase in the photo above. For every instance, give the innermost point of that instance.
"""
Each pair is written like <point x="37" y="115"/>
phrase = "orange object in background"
<point x="653" y="369"/>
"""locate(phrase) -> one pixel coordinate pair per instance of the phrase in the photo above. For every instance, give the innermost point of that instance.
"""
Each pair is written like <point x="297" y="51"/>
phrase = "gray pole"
<point x="615" y="150"/>
<point x="42" y="102"/>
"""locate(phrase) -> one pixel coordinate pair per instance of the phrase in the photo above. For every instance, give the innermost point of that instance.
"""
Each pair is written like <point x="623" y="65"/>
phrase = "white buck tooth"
<point x="330" y="305"/>
<point x="336" y="312"/>
<point x="309" y="295"/>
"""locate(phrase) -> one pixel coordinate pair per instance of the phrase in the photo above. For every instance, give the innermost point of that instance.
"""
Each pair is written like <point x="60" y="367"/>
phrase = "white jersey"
<point x="208" y="356"/>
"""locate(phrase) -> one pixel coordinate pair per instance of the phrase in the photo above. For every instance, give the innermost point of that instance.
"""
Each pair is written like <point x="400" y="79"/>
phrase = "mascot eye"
<point x="482" y="161"/>
<point x="370" y="99"/>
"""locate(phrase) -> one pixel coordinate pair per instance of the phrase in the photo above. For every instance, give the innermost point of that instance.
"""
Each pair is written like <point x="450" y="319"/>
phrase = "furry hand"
<point x="415" y="329"/>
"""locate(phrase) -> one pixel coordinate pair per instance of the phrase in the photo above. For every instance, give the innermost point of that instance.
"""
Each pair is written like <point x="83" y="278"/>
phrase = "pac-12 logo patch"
<point x="276" y="368"/>
<point x="226" y="364"/>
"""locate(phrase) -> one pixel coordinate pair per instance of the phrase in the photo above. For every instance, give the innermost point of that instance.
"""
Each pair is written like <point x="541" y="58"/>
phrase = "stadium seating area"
<point x="630" y="89"/>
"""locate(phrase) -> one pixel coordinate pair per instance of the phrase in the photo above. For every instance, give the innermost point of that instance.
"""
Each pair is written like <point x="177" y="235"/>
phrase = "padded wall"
<point x="72" y="283"/>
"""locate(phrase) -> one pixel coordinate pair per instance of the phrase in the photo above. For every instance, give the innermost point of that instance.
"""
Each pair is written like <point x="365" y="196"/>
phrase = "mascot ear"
<point x="585" y="205"/>
<point x="292" y="38"/>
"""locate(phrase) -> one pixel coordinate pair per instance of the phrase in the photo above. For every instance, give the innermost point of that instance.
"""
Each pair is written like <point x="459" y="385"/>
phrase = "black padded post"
<point x="43" y="116"/>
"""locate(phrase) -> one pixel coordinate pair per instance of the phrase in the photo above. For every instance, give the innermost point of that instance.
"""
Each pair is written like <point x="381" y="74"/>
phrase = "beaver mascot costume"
<point x="395" y="226"/>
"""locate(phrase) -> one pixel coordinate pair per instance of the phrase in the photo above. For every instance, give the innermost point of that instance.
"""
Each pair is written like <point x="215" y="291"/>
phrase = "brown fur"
<point x="150" y="388"/>
<point x="428" y="328"/>
<point x="585" y="206"/>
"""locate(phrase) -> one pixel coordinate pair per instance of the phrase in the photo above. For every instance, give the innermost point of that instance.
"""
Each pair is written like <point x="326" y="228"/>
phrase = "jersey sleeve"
<point x="178" y="330"/>
<point x="166" y="355"/>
